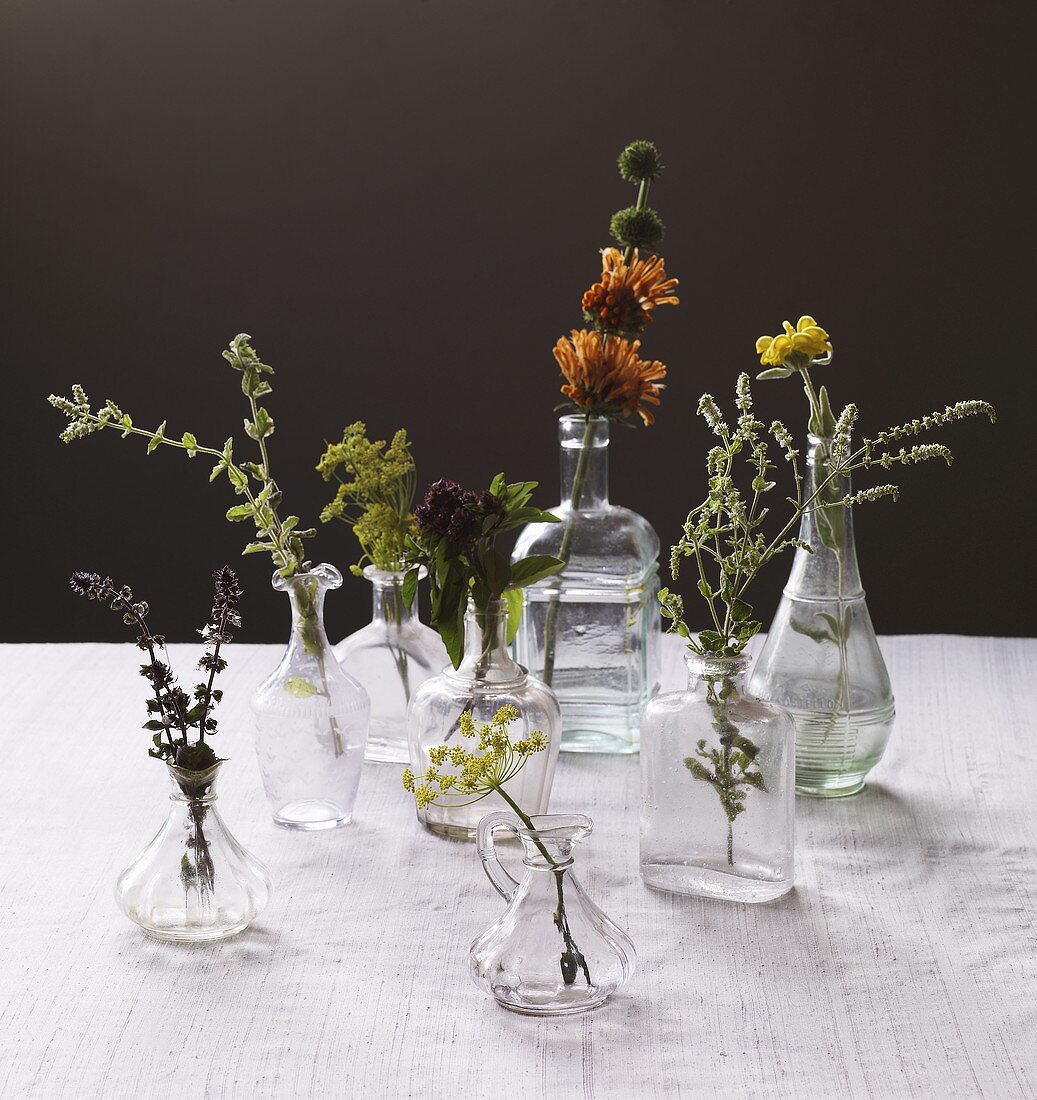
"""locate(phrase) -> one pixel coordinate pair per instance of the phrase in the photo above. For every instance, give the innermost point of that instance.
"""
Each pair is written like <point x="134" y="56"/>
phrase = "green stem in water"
<point x="551" y="619"/>
<point x="572" y="957"/>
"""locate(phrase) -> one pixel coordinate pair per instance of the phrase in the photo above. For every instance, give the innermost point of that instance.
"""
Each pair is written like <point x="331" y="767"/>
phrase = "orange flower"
<point x="626" y="295"/>
<point x="604" y="375"/>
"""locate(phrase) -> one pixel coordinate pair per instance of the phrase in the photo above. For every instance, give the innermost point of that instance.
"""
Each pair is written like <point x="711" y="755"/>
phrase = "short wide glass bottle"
<point x="310" y="717"/>
<point x="486" y="680"/>
<point x="592" y="632"/>
<point x="717" y="788"/>
<point x="392" y="656"/>
<point x="822" y="661"/>
<point x="193" y="883"/>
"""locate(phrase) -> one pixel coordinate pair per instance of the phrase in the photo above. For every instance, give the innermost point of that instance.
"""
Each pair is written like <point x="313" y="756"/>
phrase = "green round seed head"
<point x="641" y="229"/>
<point x="640" y="161"/>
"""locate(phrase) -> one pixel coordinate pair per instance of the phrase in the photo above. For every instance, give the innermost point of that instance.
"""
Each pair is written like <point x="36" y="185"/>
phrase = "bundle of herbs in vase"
<point x="193" y="882"/>
<point x="568" y="963"/>
<point x="395" y="653"/>
<point x="311" y="717"/>
<point x="475" y="596"/>
<point x="591" y="630"/>
<point x="821" y="660"/>
<point x="718" y="763"/>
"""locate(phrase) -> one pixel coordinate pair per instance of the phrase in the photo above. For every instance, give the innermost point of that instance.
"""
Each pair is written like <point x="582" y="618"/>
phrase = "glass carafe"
<point x="486" y="679"/>
<point x="553" y="951"/>
<point x="592" y="632"/>
<point x="310" y="717"/>
<point x="821" y="660"/>
<point x="392" y="656"/>
<point x="193" y="883"/>
<point x="717" y="788"/>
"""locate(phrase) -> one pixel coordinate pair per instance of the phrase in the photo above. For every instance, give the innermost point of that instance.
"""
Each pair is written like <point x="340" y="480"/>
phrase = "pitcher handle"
<point x="503" y="883"/>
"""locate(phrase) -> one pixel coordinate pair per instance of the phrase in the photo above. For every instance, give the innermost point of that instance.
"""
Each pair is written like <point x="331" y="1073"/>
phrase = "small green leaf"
<point x="258" y="548"/>
<point x="773" y="372"/>
<point x="239" y="512"/>
<point x="158" y="438"/>
<point x="300" y="688"/>
<point x="740" y="610"/>
<point x="532" y="569"/>
<point x="190" y="444"/>
<point x="409" y="587"/>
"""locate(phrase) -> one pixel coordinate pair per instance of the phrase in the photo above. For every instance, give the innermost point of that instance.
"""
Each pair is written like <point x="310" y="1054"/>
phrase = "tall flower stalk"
<point x="724" y="537"/>
<point x="604" y="376"/>
<point x="484" y="769"/>
<point x="280" y="537"/>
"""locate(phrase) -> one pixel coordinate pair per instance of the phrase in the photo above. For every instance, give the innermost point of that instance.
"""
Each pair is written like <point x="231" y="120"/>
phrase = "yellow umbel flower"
<point x="494" y="760"/>
<point x="808" y="339"/>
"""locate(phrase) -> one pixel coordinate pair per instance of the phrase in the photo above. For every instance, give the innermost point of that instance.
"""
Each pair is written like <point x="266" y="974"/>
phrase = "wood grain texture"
<point x="904" y="964"/>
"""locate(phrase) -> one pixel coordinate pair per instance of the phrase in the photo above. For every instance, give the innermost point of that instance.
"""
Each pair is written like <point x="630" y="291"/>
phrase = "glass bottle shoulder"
<point x="610" y="541"/>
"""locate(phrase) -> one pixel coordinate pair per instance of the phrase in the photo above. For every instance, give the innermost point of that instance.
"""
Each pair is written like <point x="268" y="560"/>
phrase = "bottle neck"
<point x="717" y="677"/>
<point x="387" y="603"/>
<point x="584" y="446"/>
<point x="189" y="786"/>
<point x="486" y="655"/>
<point x="831" y="571"/>
<point x="306" y="592"/>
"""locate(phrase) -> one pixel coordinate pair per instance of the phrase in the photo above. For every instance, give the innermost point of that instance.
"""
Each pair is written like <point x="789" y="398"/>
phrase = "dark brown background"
<point x="402" y="202"/>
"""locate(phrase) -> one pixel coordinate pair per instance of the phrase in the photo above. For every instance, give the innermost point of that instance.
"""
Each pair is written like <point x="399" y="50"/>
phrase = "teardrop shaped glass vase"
<point x="822" y="661"/>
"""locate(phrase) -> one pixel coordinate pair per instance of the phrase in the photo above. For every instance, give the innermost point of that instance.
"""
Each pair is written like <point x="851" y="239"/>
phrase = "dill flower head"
<point x="489" y="760"/>
<point x="376" y="489"/>
<point x="623" y="299"/>
<point x="795" y="347"/>
<point x="604" y="376"/>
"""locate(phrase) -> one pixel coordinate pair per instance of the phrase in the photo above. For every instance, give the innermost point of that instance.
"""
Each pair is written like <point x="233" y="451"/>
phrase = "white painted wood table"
<point x="904" y="964"/>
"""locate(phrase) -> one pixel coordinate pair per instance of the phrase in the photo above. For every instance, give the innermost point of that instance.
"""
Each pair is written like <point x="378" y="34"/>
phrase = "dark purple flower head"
<point x="86" y="584"/>
<point x="449" y="512"/>
<point x="228" y="591"/>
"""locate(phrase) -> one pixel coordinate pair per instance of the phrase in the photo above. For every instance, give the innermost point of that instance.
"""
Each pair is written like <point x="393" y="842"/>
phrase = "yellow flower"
<point x="807" y="339"/>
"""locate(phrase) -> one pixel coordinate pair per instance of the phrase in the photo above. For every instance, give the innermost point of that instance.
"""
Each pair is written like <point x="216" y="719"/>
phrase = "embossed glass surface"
<point x="821" y="660"/>
<point x="552" y="952"/>
<point x="592" y="631"/>
<point x="392" y="656"/>
<point x="310" y="717"/>
<point x="717" y="798"/>
<point x="193" y="883"/>
<point x="485" y="681"/>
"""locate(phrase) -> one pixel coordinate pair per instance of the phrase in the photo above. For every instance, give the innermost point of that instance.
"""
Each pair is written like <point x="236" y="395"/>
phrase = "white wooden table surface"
<point x="904" y="964"/>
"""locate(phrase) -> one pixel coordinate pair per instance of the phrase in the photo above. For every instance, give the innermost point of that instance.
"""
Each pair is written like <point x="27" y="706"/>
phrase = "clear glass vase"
<point x="592" y="632"/>
<point x="486" y="679"/>
<point x="553" y="952"/>
<point x="717" y="788"/>
<point x="391" y="657"/>
<point x="311" y="717"/>
<point x="821" y="660"/>
<point x="193" y="883"/>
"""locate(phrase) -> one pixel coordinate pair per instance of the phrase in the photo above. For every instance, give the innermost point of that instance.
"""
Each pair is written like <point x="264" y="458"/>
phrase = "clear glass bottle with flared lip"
<point x="311" y="717"/>
<point x="552" y="952"/>
<point x="193" y="883"/>
<point x="592" y="631"/>
<point x="821" y="660"/>
<point x="391" y="657"/>
<point x="717" y="788"/>
<point x="486" y="680"/>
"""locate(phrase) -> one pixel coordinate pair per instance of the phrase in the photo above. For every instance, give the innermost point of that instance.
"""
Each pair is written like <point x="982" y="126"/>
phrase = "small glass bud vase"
<point x="553" y="952"/>
<point x="822" y="660"/>
<point x="193" y="883"/>
<point x="311" y="717"/>
<point x="486" y="680"/>
<point x="591" y="632"/>
<point x="717" y="788"/>
<point x="391" y="657"/>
